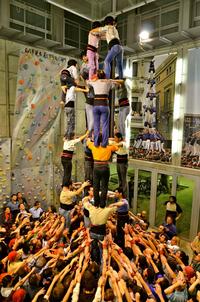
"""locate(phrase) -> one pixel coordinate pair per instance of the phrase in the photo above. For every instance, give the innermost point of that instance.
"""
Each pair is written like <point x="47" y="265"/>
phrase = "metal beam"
<point x="69" y="10"/>
<point x="186" y="35"/>
<point x="165" y="40"/>
<point x="166" y="49"/>
<point x="129" y="8"/>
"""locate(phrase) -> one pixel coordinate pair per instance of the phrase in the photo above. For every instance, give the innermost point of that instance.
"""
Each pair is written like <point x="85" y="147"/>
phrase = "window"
<point x="152" y="23"/>
<point x="76" y="30"/>
<point x="167" y="99"/>
<point x="158" y="79"/>
<point x="135" y="69"/>
<point x="30" y="18"/>
<point x="136" y="105"/>
<point x="195" y="13"/>
<point x="170" y="17"/>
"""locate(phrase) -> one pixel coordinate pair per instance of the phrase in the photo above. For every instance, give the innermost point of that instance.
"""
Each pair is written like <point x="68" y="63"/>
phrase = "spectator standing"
<point x="173" y="209"/>
<point x="22" y="199"/>
<point x="36" y="210"/>
<point x="13" y="204"/>
<point x="122" y="162"/>
<point x="170" y="228"/>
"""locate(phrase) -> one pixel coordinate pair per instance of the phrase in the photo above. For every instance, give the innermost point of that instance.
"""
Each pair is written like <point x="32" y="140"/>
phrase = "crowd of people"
<point x="191" y="153"/>
<point x="85" y="252"/>
<point x="87" y="249"/>
<point x="149" y="145"/>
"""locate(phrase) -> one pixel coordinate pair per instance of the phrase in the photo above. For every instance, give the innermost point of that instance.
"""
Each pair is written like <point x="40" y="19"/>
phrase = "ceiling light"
<point x="144" y="35"/>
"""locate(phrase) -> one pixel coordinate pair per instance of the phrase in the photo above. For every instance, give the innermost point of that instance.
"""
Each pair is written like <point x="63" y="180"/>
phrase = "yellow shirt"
<point x="66" y="197"/>
<point x="196" y="244"/>
<point x="100" y="153"/>
<point x="98" y="216"/>
<point x="12" y="266"/>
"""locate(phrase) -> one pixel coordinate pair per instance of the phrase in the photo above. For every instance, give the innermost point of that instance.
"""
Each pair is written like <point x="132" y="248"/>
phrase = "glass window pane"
<point x="72" y="34"/>
<point x="184" y="195"/>
<point x="197" y="9"/>
<point x="35" y="32"/>
<point x="16" y="13"/>
<point x="150" y="24"/>
<point x="144" y="191"/>
<point x="84" y="36"/>
<point x="163" y="192"/>
<point x="35" y="20"/>
<point x="170" y="17"/>
<point x="38" y="4"/>
<point x="16" y="26"/>
<point x="48" y="24"/>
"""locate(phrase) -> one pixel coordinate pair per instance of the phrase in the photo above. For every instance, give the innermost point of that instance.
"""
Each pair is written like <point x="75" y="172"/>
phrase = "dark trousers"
<point x="122" y="176"/>
<point x="70" y="122"/>
<point x="67" y="167"/>
<point x="89" y="165"/>
<point x="121" y="221"/>
<point x="100" y="182"/>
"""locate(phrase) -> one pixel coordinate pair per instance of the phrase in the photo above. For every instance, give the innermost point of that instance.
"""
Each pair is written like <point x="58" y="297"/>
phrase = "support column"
<point x="174" y="185"/>
<point x="4" y="13"/>
<point x="57" y="24"/>
<point x="135" y="194"/>
<point x="78" y="164"/>
<point x="194" y="224"/>
<point x="133" y="28"/>
<point x="179" y="105"/>
<point x="153" y="197"/>
<point x="112" y="102"/>
<point x="184" y="15"/>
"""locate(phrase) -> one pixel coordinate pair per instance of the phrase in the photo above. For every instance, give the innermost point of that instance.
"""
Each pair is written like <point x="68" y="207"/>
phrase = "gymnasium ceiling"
<point x="98" y="9"/>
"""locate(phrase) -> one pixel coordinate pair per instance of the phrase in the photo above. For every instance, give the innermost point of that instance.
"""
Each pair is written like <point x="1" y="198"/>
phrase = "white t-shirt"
<point x="6" y="291"/>
<point x="110" y="31"/>
<point x="70" y="145"/>
<point x="73" y="71"/>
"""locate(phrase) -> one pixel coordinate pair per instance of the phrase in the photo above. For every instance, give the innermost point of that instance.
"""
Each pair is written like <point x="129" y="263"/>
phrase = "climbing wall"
<point x="5" y="144"/>
<point x="36" y="137"/>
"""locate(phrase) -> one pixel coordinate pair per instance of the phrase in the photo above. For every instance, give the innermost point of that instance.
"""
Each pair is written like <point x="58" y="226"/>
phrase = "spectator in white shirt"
<point x="66" y="156"/>
<point x="36" y="210"/>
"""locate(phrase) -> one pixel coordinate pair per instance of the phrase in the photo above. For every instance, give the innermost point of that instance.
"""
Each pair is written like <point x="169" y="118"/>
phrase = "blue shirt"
<point x="13" y="206"/>
<point x="124" y="208"/>
<point x="36" y="212"/>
